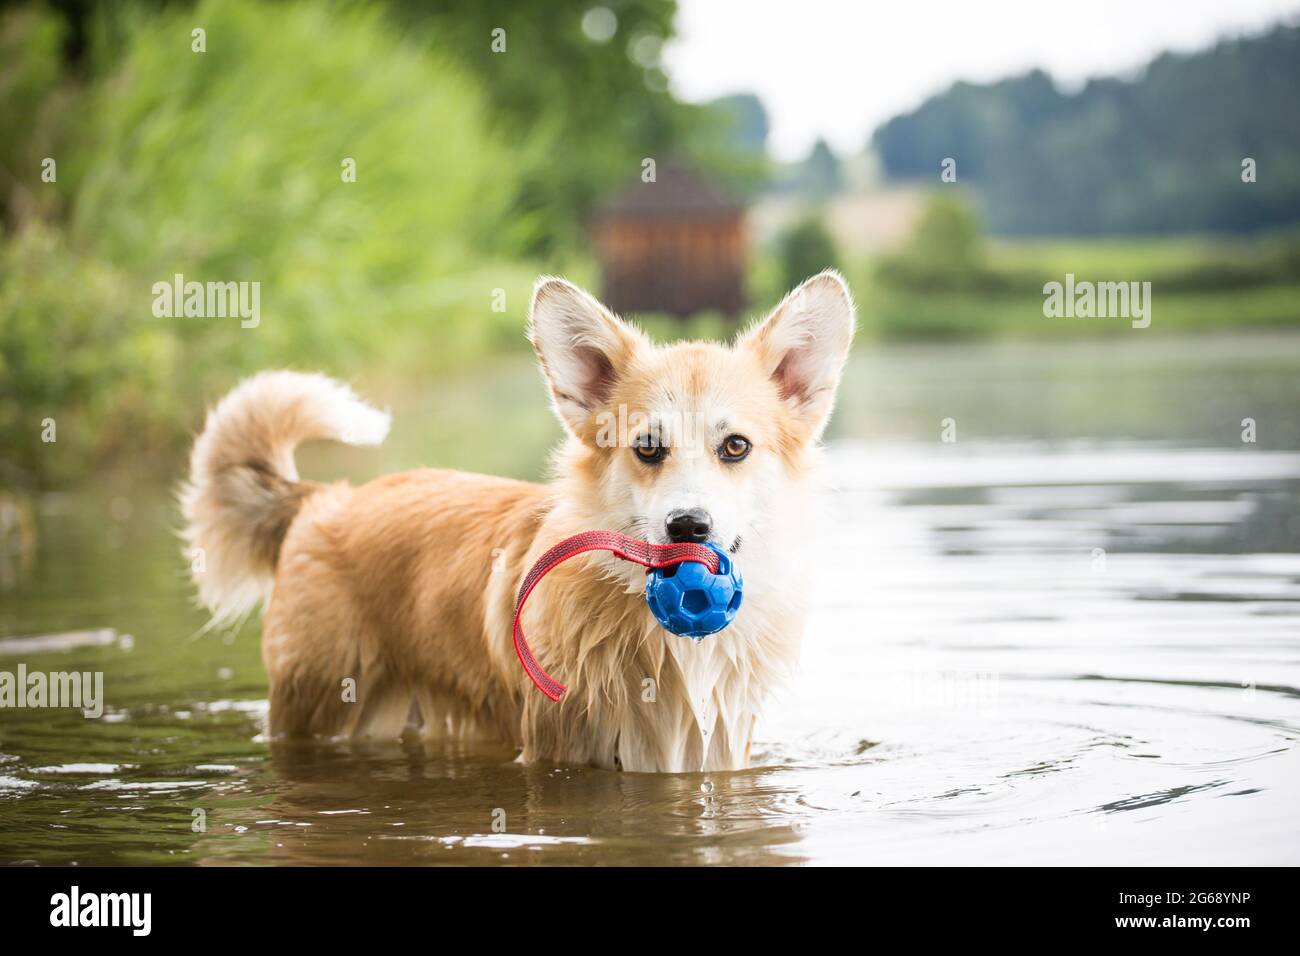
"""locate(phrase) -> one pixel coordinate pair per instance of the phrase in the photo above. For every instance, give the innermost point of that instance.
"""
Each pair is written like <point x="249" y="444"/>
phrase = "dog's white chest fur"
<point x="699" y="714"/>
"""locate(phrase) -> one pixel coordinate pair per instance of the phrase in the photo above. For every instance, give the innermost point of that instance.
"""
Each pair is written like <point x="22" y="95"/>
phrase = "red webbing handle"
<point x="622" y="546"/>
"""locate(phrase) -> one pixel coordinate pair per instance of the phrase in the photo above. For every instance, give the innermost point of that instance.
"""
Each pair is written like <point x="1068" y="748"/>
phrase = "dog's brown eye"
<point x="734" y="448"/>
<point x="649" y="450"/>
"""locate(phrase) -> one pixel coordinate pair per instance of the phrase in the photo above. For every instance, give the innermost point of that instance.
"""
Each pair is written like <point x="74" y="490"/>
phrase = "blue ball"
<point x="688" y="600"/>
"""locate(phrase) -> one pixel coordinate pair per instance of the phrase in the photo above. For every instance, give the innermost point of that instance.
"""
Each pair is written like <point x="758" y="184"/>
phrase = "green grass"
<point x="1138" y="256"/>
<point x="1197" y="284"/>
<point x="900" y="314"/>
<point x="1199" y="262"/>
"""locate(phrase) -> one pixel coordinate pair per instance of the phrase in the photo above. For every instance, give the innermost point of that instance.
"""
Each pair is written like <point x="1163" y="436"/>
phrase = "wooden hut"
<point x="675" y="245"/>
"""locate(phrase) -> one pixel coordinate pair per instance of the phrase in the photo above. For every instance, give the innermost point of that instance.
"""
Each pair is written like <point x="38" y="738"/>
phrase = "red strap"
<point x="625" y="547"/>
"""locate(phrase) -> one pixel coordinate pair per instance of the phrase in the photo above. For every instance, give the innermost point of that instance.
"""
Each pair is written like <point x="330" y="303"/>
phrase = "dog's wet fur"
<point x="388" y="606"/>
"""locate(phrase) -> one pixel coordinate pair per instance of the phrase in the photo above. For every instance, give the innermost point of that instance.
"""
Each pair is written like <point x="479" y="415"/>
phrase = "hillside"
<point x="1158" y="153"/>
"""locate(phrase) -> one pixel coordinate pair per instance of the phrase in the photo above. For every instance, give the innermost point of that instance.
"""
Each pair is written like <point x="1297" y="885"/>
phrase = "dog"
<point x="388" y="607"/>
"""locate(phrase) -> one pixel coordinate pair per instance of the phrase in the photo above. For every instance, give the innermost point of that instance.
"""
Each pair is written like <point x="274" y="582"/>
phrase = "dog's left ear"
<point x="583" y="348"/>
<point x="803" y="345"/>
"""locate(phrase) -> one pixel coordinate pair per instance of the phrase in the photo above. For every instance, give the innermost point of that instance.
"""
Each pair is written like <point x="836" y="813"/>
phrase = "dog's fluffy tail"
<point x="243" y="491"/>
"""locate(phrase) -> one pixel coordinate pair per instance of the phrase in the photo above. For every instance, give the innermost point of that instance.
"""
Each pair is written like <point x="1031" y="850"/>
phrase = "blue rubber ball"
<point x="688" y="600"/>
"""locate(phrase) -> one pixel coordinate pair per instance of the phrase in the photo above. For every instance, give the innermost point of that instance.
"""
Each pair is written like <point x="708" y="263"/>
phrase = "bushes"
<point x="949" y="282"/>
<point x="804" y="250"/>
<point x="70" y="352"/>
<point x="226" y="166"/>
<point x="29" y="96"/>
<point x="948" y="254"/>
<point x="945" y="253"/>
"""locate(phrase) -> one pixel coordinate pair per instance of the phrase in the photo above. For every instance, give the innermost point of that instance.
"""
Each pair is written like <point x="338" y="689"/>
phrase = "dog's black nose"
<point x="693" y="525"/>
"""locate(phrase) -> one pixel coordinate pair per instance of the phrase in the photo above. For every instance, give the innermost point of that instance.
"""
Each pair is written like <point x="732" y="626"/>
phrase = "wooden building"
<point x="675" y="245"/>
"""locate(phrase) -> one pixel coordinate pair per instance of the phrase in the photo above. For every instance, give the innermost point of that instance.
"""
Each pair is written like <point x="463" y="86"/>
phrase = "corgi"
<point x="387" y="608"/>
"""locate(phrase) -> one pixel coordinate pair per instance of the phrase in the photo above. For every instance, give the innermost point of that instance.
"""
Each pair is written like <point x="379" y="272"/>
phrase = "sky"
<point x="839" y="69"/>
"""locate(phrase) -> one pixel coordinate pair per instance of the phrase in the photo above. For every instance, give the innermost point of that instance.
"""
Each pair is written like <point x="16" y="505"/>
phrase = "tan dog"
<point x="389" y="606"/>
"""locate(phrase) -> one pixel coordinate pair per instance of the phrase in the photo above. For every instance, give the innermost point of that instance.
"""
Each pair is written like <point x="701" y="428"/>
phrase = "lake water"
<point x="1070" y="635"/>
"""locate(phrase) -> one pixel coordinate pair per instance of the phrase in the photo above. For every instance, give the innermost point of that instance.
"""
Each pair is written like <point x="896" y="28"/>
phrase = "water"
<point x="1072" y="635"/>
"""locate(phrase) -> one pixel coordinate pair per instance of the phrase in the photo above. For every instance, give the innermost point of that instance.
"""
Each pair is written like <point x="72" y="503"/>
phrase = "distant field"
<point x="1196" y="283"/>
<point x="1146" y="258"/>
<point x="894" y="313"/>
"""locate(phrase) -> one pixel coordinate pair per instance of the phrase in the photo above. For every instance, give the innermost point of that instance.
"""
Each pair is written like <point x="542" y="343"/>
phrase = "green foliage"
<point x="30" y="40"/>
<point x="1162" y="153"/>
<point x="946" y="250"/>
<point x="821" y="176"/>
<point x="745" y="121"/>
<point x="905" y="313"/>
<point x="547" y="87"/>
<point x="226" y="166"/>
<point x="29" y="49"/>
<point x="556" y="92"/>
<point x="727" y="139"/>
<point x="817" y="177"/>
<point x="949" y="282"/>
<point x="702" y="326"/>
<point x="71" y="351"/>
<point x="947" y="253"/>
<point x="803" y="250"/>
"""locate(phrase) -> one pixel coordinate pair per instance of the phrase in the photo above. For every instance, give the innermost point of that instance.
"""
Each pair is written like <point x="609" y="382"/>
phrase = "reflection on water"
<point x="1071" y="636"/>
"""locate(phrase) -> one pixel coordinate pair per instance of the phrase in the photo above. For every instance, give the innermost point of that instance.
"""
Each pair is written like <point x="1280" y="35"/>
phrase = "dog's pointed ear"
<point x="803" y="345"/>
<point x="582" y="346"/>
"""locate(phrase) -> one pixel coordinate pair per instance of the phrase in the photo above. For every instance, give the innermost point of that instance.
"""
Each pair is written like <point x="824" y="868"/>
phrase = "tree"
<point x="805" y="249"/>
<point x="1159" y="153"/>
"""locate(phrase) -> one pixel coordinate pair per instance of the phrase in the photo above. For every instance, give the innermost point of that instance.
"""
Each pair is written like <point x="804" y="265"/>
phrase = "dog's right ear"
<point x="582" y="346"/>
